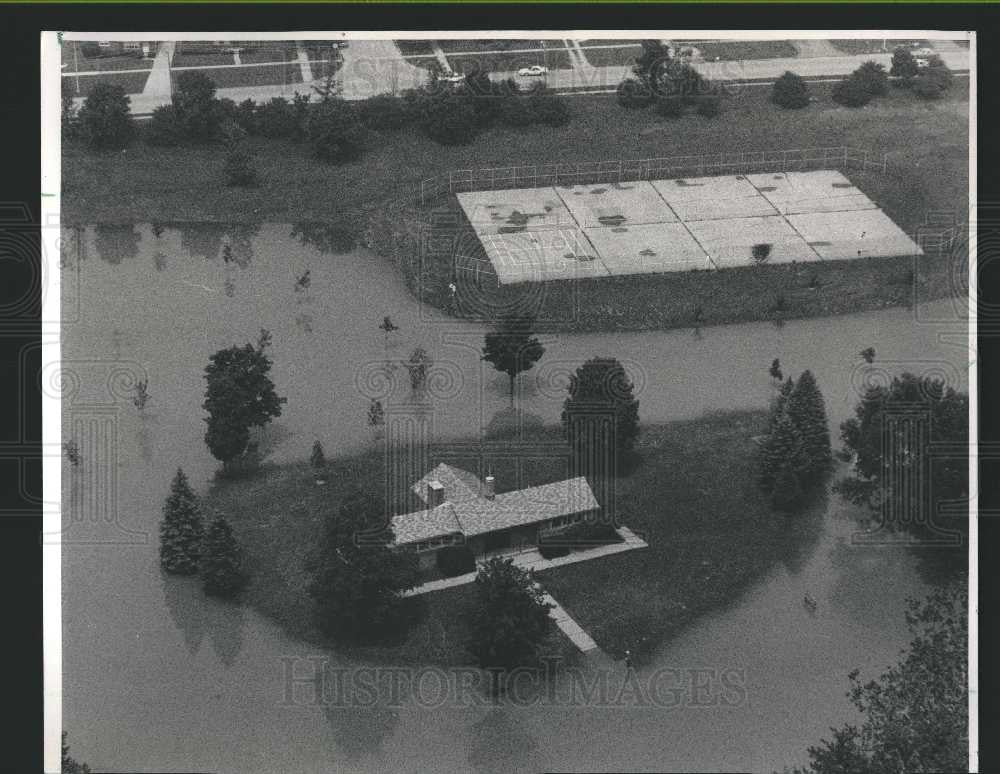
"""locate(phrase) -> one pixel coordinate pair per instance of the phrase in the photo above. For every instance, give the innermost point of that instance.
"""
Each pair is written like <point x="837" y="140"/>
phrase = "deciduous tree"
<point x="512" y="348"/>
<point x="601" y="390"/>
<point x="105" y="119"/>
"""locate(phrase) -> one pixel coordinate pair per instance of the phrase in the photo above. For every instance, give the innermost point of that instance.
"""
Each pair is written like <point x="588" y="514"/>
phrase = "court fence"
<point x="664" y="168"/>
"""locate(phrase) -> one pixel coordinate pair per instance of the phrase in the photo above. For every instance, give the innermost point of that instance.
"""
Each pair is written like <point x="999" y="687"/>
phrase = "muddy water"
<point x="157" y="677"/>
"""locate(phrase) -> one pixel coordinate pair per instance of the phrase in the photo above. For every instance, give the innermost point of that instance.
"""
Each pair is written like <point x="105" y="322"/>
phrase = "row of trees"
<point x="336" y="130"/>
<point x="187" y="548"/>
<point x="796" y="453"/>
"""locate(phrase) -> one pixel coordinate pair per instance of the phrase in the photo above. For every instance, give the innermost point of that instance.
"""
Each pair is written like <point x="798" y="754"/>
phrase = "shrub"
<point x="670" y="107"/>
<point x="925" y="87"/>
<point x="455" y="560"/>
<point x="335" y="132"/>
<point x="903" y="64"/>
<point x="850" y="92"/>
<point x="634" y="94"/>
<point x="384" y="112"/>
<point x="196" y="106"/>
<point x="165" y="127"/>
<point x="550" y="550"/>
<point x="450" y="119"/>
<point x="105" y="119"/>
<point x="239" y="169"/>
<point x="790" y="91"/>
<point x="276" y="119"/>
<point x="938" y="73"/>
<point x="709" y="106"/>
<point x="682" y="80"/>
<point x="761" y="252"/>
<point x="873" y="78"/>
<point x="247" y="116"/>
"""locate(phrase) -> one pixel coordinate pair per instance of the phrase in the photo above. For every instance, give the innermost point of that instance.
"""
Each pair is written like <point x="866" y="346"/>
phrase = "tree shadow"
<point x="327" y="238"/>
<point x="186" y="606"/>
<point x="803" y="531"/>
<point x="358" y="729"/>
<point x="224" y="621"/>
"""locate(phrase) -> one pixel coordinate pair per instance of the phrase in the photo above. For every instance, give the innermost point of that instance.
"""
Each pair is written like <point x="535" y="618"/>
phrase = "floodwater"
<point x="157" y="677"/>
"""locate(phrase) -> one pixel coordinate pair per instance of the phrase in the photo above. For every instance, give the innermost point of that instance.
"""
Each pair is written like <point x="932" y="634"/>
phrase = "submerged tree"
<point x="240" y="395"/>
<point x="600" y="392"/>
<point x="317" y="459"/>
<point x="182" y="529"/>
<point x="512" y="348"/>
<point x="417" y="366"/>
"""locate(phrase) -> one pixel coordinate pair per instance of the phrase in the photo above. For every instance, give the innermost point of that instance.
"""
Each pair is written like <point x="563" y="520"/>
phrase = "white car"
<point x="921" y="62"/>
<point x="533" y="70"/>
<point x="451" y="77"/>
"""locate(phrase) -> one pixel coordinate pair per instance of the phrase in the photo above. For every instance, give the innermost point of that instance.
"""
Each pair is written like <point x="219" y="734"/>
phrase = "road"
<point x="377" y="67"/>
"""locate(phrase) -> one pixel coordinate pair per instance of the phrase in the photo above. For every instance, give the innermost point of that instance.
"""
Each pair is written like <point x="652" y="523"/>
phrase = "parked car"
<point x="533" y="70"/>
<point x="452" y="77"/>
<point x="921" y="62"/>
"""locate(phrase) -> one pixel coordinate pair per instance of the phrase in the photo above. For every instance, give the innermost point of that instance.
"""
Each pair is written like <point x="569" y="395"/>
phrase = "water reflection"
<point x="114" y="243"/>
<point x="358" y="729"/>
<point x="326" y="237"/>
<point x="238" y="248"/>
<point x="159" y="260"/>
<point x="500" y="743"/>
<point x="225" y="626"/>
<point x="202" y="240"/>
<point x="186" y="605"/>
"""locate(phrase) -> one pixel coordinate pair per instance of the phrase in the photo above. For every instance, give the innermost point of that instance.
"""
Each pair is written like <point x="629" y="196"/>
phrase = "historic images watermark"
<point x="316" y="681"/>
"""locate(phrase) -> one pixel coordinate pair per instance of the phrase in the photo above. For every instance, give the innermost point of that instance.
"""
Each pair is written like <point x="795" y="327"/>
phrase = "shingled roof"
<point x="467" y="511"/>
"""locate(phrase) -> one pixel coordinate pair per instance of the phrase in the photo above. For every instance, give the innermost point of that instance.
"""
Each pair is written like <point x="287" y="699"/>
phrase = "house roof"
<point x="472" y="514"/>
<point x="423" y="525"/>
<point x="459" y="485"/>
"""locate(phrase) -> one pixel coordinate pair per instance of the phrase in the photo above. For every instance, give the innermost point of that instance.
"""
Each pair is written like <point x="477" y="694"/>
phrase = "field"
<point x="132" y="82"/>
<point x="599" y="54"/>
<point x="712" y="541"/>
<point x="866" y="46"/>
<point x="742" y="49"/>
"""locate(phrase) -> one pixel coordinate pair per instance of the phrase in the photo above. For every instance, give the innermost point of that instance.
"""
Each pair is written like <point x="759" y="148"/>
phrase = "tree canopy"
<point x="914" y="716"/>
<point x="357" y="578"/>
<point x="512" y="348"/>
<point x="105" y="119"/>
<point x="512" y="618"/>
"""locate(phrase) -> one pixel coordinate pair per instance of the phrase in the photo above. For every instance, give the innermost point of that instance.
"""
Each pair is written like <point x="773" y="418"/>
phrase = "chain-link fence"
<point x="606" y="172"/>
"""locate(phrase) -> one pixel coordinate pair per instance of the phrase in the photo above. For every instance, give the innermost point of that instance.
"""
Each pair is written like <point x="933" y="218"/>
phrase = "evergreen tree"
<point x="222" y="565"/>
<point x="181" y="529"/>
<point x="600" y="391"/>
<point x="782" y="451"/>
<point x="787" y="492"/>
<point x="806" y="409"/>
<point x="69" y="765"/>
<point x="317" y="459"/>
<point x="778" y="404"/>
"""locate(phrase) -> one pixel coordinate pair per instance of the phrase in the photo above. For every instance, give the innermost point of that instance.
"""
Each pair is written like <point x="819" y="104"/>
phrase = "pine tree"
<point x="222" y="565"/>
<point x="181" y="530"/>
<point x="778" y="405"/>
<point x="806" y="409"/>
<point x="782" y="451"/>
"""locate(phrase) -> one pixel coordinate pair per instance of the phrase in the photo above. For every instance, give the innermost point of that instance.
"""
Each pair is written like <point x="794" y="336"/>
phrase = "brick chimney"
<point x="435" y="494"/>
<point x="489" y="490"/>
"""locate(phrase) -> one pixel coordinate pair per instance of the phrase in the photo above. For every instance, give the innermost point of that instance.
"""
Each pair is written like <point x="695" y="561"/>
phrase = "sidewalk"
<point x="534" y="561"/>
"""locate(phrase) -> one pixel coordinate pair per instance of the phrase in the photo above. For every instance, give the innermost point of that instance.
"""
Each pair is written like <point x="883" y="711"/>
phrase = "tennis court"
<point x="682" y="224"/>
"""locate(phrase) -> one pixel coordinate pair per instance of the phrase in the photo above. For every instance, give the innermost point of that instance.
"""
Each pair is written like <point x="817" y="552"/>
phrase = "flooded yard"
<point x="155" y="676"/>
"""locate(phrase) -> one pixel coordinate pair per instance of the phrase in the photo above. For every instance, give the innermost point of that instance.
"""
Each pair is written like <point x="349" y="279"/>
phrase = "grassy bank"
<point x="692" y="495"/>
<point x="143" y="183"/>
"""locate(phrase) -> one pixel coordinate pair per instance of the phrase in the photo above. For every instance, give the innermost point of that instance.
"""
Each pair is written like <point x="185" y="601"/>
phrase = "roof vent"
<point x="435" y="494"/>
<point x="490" y="490"/>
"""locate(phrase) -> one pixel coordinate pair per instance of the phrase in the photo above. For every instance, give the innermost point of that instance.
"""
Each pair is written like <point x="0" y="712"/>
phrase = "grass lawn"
<point x="415" y="47"/>
<point x="133" y="82"/>
<point x="263" y="75"/>
<point x="449" y="46"/>
<point x="187" y="183"/>
<point x="742" y="49"/>
<point x="601" y="56"/>
<point x="692" y="496"/>
<point x="202" y="60"/>
<point x="867" y="46"/>
<point x="502" y="61"/>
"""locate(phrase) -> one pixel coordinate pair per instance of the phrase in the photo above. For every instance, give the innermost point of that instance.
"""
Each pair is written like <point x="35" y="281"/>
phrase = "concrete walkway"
<point x="304" y="66"/>
<point x="532" y="560"/>
<point x="158" y="82"/>
<point x="442" y="59"/>
<point x="569" y="627"/>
